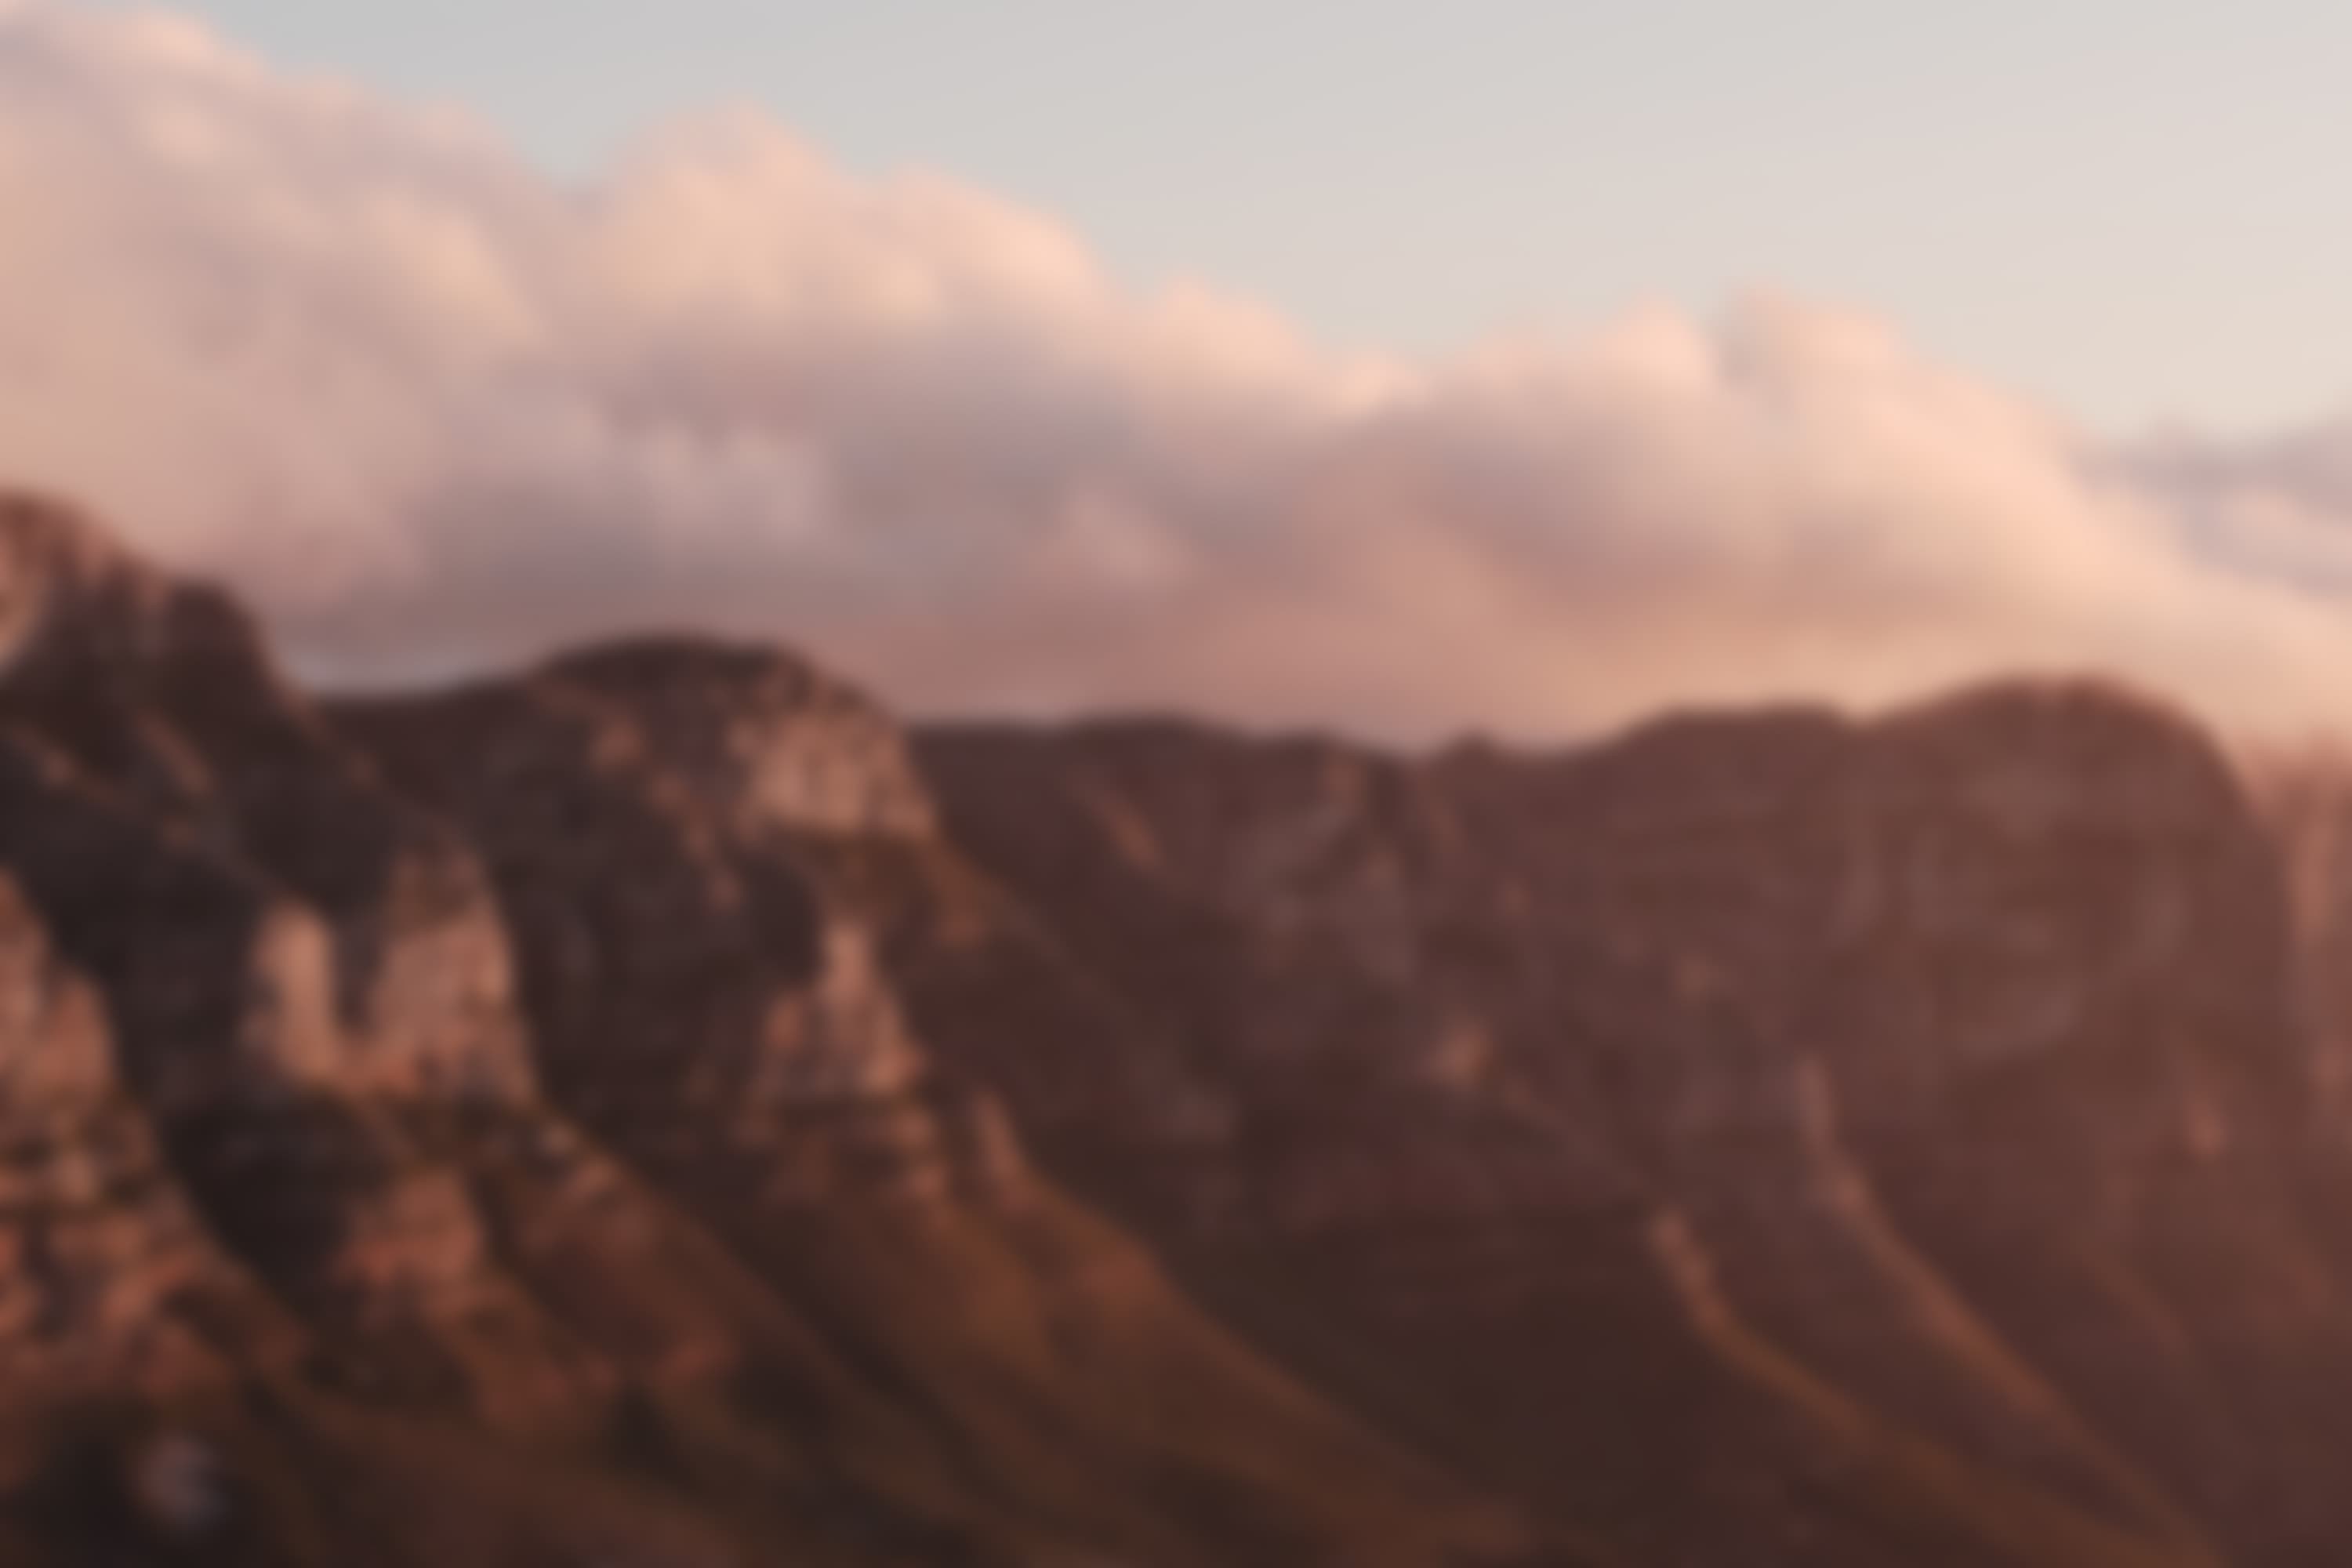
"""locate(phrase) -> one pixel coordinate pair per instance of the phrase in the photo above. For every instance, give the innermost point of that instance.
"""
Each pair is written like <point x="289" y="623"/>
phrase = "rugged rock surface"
<point x="105" y="1271"/>
<point x="2305" y="797"/>
<point x="1903" y="1132"/>
<point x="482" y="1135"/>
<point x="647" y="1109"/>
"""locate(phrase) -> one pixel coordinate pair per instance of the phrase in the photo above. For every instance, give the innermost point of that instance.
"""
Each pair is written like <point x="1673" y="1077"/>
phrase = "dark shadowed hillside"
<point x="649" y="1109"/>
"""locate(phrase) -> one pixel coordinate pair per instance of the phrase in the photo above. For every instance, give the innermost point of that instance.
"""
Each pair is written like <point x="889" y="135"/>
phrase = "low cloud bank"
<point x="430" y="411"/>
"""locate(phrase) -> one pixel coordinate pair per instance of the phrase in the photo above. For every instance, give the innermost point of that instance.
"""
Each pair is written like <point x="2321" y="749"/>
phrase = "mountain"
<point x="1896" y="1139"/>
<point x="654" y="1108"/>
<point x="478" y="1131"/>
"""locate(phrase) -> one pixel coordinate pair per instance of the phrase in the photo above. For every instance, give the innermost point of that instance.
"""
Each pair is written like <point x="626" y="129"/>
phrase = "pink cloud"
<point x="431" y="410"/>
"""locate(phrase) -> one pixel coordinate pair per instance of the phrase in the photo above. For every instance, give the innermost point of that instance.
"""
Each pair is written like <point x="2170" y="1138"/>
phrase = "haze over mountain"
<point x="434" y="412"/>
<point x="650" y="1108"/>
<point x="610" y="953"/>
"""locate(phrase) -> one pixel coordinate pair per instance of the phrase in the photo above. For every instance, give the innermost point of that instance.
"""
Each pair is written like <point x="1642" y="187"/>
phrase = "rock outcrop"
<point x="108" y="1280"/>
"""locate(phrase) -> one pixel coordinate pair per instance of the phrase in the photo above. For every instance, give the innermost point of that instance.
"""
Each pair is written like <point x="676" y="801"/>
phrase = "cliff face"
<point x="2305" y="797"/>
<point x="102" y="1259"/>
<point x="650" y="1108"/>
<point x="470" y="1129"/>
<point x="1898" y="1133"/>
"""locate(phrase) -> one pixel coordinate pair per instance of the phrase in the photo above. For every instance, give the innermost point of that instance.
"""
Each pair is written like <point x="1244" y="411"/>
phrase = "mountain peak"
<point x="50" y="556"/>
<point x="72" y="597"/>
<point x="762" y="735"/>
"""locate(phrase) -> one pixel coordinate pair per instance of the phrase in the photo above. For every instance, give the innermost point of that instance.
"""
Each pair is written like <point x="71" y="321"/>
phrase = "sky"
<point x="2127" y="210"/>
<point x="1410" y="373"/>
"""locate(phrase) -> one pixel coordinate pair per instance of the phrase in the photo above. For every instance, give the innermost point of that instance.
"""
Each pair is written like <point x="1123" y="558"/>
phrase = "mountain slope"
<point x="1905" y="1119"/>
<point x="476" y="1244"/>
<point x="650" y="1108"/>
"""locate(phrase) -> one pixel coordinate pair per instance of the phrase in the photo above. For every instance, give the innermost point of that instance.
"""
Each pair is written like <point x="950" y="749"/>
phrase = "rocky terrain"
<point x="655" y="1108"/>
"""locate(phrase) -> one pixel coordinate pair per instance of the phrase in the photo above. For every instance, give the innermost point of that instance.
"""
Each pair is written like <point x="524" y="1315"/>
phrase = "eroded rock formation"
<point x="650" y="1108"/>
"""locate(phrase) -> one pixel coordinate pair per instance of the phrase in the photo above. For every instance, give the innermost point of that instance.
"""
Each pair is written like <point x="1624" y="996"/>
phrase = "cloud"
<point x="432" y="411"/>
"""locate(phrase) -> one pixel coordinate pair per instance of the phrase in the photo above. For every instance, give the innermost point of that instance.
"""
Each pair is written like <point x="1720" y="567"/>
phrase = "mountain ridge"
<point x="750" y="1129"/>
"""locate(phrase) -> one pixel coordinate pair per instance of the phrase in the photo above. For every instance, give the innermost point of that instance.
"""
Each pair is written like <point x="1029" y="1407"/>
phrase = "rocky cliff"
<point x="477" y="1129"/>
<point x="651" y="1108"/>
<point x="1761" y="1139"/>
